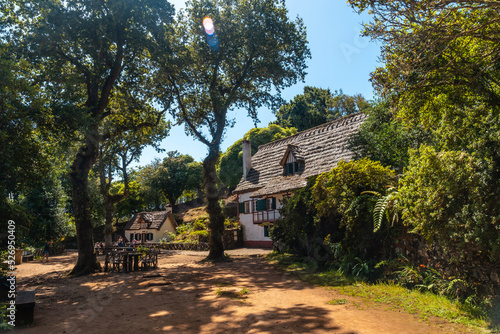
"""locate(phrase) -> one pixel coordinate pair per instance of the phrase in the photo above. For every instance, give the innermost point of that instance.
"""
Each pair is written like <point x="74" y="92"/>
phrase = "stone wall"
<point x="475" y="268"/>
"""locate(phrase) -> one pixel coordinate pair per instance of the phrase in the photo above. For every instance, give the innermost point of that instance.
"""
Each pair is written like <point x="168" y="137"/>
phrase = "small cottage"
<point x="150" y="226"/>
<point x="282" y="166"/>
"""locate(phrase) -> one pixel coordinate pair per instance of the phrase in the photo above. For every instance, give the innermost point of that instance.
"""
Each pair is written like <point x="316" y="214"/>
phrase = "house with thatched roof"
<point x="280" y="167"/>
<point x="148" y="227"/>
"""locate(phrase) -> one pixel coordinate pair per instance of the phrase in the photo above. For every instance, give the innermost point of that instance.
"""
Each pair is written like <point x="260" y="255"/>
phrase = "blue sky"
<point x="341" y="59"/>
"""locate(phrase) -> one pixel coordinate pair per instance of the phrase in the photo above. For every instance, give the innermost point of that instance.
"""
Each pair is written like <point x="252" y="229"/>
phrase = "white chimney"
<point x="247" y="157"/>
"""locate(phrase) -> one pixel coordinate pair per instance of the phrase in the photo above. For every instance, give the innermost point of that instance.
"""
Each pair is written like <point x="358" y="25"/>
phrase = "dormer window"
<point x="292" y="161"/>
<point x="291" y="168"/>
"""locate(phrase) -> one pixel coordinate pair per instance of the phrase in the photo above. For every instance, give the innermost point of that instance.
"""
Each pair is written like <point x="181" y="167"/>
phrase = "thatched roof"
<point x="320" y="148"/>
<point x="153" y="220"/>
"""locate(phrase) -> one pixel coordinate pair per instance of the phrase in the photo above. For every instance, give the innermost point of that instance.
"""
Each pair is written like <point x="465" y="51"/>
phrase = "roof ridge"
<point x="324" y="125"/>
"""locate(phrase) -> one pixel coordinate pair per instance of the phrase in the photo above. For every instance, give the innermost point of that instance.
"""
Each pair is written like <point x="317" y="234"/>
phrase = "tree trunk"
<point x="216" y="224"/>
<point x="108" y="224"/>
<point x="87" y="261"/>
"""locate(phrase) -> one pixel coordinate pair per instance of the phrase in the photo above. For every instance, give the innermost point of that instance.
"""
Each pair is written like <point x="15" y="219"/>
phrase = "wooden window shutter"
<point x="273" y="203"/>
<point x="241" y="207"/>
<point x="261" y="205"/>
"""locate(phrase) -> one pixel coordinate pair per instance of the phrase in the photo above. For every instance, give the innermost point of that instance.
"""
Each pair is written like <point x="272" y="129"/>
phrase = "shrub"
<point x="331" y="210"/>
<point x="296" y="229"/>
<point x="451" y="197"/>
<point x="340" y="204"/>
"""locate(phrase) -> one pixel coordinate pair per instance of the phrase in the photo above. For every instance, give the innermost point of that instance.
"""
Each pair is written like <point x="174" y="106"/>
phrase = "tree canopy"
<point x="441" y="74"/>
<point x="230" y="168"/>
<point x="317" y="106"/>
<point x="175" y="174"/>
<point x="246" y="67"/>
<point x="383" y="137"/>
<point x="85" y="54"/>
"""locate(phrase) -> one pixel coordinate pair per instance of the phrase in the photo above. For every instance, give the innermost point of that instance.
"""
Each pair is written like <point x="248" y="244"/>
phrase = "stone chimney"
<point x="247" y="157"/>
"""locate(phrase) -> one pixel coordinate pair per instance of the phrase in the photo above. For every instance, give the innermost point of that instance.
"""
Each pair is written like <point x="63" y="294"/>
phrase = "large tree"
<point x="442" y="73"/>
<point x="317" y="106"/>
<point x="441" y="59"/>
<point x="230" y="167"/>
<point x="85" y="52"/>
<point x="177" y="173"/>
<point x="383" y="137"/>
<point x="255" y="51"/>
<point x="23" y="161"/>
<point x="117" y="152"/>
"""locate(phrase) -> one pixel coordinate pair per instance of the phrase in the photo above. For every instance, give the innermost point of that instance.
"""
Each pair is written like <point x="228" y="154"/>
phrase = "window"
<point x="266" y="231"/>
<point x="150" y="236"/>
<point x="292" y="168"/>
<point x="271" y="203"/>
<point x="261" y="205"/>
<point x="137" y="237"/>
<point x="131" y="237"/>
<point x="245" y="207"/>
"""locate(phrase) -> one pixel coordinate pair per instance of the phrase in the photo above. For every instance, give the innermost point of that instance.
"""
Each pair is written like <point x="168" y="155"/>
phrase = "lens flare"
<point x="208" y="25"/>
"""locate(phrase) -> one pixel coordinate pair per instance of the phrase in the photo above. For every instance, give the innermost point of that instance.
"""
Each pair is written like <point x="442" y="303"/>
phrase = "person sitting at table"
<point x="120" y="243"/>
<point x="134" y="242"/>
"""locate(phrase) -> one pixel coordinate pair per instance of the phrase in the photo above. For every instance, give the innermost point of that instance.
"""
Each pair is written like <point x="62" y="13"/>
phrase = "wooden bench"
<point x="25" y="307"/>
<point x="27" y="256"/>
<point x="150" y="260"/>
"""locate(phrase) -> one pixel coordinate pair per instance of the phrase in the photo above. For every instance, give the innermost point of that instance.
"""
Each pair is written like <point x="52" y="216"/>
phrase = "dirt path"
<point x="186" y="296"/>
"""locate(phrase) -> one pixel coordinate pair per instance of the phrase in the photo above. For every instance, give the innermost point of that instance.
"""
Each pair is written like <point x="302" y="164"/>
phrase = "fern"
<point x="378" y="212"/>
<point x="387" y="205"/>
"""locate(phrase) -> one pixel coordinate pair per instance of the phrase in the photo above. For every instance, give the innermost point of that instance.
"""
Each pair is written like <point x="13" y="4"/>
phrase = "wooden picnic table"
<point x="128" y="258"/>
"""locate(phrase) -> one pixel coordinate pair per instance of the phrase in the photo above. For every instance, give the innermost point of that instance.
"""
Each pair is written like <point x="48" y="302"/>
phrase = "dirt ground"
<point x="184" y="295"/>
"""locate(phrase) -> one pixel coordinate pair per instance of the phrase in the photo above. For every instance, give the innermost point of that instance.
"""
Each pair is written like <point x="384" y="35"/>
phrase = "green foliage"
<point x="334" y="191"/>
<point x="317" y="106"/>
<point x="248" y="69"/>
<point x="4" y="321"/>
<point x="46" y="203"/>
<point x="170" y="178"/>
<point x="88" y="56"/>
<point x="151" y="195"/>
<point x="426" y="279"/>
<point x="231" y="223"/>
<point x="420" y="302"/>
<point x="331" y="219"/>
<point x="448" y="197"/>
<point x="386" y="206"/>
<point x="296" y="229"/>
<point x="339" y="301"/>
<point x="441" y="75"/>
<point x="436" y="46"/>
<point x="384" y="138"/>
<point x="192" y="232"/>
<point x="233" y="294"/>
<point x="131" y="205"/>
<point x="230" y="167"/>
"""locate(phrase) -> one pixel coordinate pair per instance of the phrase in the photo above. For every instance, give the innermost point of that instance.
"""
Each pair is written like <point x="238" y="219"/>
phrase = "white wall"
<point x="251" y="231"/>
<point x="168" y="226"/>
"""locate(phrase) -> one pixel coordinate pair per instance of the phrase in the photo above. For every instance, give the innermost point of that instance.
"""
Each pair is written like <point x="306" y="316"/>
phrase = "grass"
<point x="337" y="302"/>
<point x="242" y="294"/>
<point x="420" y="304"/>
